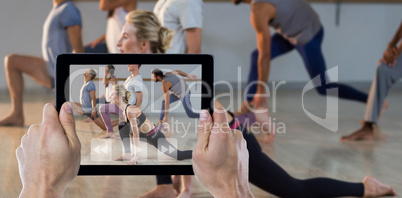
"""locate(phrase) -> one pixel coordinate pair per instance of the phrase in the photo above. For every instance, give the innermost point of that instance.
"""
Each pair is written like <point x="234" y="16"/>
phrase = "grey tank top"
<point x="295" y="20"/>
<point x="179" y="87"/>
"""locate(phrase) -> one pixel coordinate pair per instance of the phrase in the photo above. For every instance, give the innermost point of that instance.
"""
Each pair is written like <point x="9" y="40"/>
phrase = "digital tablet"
<point x="163" y="92"/>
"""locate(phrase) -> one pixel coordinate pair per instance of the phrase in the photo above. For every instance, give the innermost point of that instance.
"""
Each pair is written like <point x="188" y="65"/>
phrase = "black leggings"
<point x="270" y="177"/>
<point x="152" y="139"/>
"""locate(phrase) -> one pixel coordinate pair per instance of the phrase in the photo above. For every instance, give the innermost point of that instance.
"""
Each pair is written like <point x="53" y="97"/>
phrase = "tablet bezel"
<point x="63" y="62"/>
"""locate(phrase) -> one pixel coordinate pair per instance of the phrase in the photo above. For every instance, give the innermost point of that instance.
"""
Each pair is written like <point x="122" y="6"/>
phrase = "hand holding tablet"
<point x="220" y="158"/>
<point x="49" y="155"/>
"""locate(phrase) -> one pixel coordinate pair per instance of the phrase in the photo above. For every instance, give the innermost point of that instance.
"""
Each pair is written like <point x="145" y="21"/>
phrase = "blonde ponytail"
<point x="122" y="91"/>
<point x="149" y="28"/>
<point x="165" y="38"/>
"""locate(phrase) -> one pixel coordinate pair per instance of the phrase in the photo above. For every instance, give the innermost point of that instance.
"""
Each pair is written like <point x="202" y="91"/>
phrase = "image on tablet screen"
<point x="137" y="113"/>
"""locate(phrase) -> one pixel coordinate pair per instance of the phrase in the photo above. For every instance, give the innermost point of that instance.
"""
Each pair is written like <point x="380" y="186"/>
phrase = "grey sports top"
<point x="295" y="20"/>
<point x="179" y="87"/>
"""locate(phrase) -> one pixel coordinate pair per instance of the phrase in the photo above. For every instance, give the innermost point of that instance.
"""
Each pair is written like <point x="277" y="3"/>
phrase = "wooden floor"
<point x="306" y="149"/>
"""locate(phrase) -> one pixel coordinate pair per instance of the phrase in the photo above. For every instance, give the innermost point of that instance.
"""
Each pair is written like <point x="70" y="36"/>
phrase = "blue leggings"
<point x="313" y="61"/>
<point x="186" y="105"/>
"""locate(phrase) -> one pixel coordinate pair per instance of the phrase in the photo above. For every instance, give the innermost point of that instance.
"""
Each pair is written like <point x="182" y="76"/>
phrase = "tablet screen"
<point x="164" y="137"/>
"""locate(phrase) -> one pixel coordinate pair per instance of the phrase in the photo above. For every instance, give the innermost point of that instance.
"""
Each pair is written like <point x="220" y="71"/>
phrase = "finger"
<point x="221" y="125"/>
<point x="67" y="122"/>
<point x="238" y="138"/>
<point x="50" y="116"/>
<point x="204" y="130"/>
<point x="24" y="140"/>
<point x="33" y="129"/>
<point x="20" y="155"/>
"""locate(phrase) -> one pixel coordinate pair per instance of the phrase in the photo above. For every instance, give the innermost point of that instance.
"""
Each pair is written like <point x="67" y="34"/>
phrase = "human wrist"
<point x="232" y="189"/>
<point x="399" y="48"/>
<point x="261" y="89"/>
<point x="44" y="192"/>
<point x="391" y="45"/>
<point x="234" y="193"/>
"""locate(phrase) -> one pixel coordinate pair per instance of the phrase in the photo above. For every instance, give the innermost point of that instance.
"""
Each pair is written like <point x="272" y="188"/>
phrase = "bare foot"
<point x="165" y="129"/>
<point x="176" y="179"/>
<point x="374" y="188"/>
<point x="125" y="157"/>
<point x="12" y="120"/>
<point x="262" y="117"/>
<point x="364" y="133"/>
<point x="87" y="120"/>
<point x="165" y="191"/>
<point x="107" y="135"/>
<point x="269" y="138"/>
<point x="186" y="193"/>
<point x="362" y="122"/>
<point x="245" y="108"/>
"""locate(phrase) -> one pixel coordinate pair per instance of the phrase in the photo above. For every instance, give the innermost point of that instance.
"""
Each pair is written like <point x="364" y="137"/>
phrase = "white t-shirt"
<point x="133" y="85"/>
<point x="179" y="15"/>
<point x="114" y="26"/>
<point x="108" y="90"/>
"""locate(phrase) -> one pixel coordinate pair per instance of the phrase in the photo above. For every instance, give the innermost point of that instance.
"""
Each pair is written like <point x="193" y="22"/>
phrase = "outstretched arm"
<point x="393" y="49"/>
<point x="184" y="74"/>
<point x="165" y="89"/>
<point x="106" y="5"/>
<point x="397" y="37"/>
<point x="261" y="14"/>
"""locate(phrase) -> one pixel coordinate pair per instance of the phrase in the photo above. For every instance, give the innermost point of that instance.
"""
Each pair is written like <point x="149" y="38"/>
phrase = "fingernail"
<point x="68" y="109"/>
<point x="203" y="116"/>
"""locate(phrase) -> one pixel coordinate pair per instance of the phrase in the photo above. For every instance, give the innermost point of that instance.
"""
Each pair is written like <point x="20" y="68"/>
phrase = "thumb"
<point x="204" y="130"/>
<point x="67" y="121"/>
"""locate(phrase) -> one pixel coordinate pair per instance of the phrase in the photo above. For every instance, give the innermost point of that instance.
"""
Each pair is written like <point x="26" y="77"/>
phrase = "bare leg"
<point x="98" y="121"/>
<point x="176" y="180"/>
<point x="186" y="186"/>
<point x="87" y="120"/>
<point x="165" y="191"/>
<point x="125" y="157"/>
<point x="374" y="188"/>
<point x="110" y="134"/>
<point x="15" y="66"/>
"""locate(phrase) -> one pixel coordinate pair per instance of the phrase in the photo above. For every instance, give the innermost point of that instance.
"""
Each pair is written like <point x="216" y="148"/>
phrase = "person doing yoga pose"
<point x="133" y="116"/>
